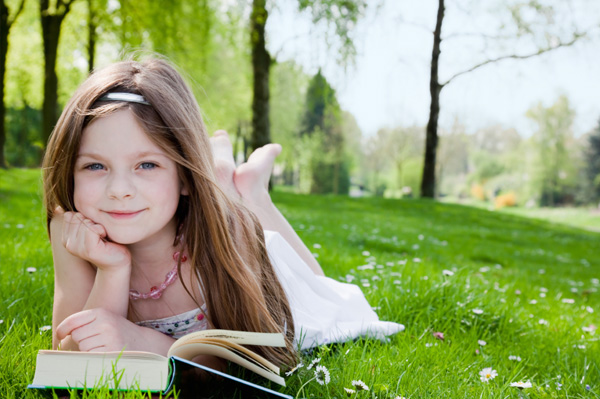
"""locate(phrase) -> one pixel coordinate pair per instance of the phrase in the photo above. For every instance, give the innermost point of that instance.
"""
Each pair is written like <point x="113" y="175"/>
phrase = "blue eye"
<point x="94" y="166"/>
<point x="147" y="165"/>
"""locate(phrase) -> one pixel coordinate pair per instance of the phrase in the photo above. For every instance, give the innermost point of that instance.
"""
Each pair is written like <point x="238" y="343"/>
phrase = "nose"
<point x="120" y="186"/>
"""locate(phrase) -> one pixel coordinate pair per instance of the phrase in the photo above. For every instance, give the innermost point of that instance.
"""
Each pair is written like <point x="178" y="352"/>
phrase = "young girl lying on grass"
<point x="155" y="233"/>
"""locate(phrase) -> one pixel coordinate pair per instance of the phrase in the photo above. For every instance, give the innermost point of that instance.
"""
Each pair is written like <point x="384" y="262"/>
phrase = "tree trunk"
<point x="261" y="63"/>
<point x="51" y="33"/>
<point x="91" y="35"/>
<point x="428" y="180"/>
<point x="4" y="29"/>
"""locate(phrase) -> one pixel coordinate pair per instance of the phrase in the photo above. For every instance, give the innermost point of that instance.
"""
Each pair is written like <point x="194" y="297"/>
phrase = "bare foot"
<point x="251" y="178"/>
<point x="224" y="163"/>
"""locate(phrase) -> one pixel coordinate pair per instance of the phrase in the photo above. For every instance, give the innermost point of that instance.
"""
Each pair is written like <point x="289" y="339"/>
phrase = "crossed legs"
<point x="249" y="183"/>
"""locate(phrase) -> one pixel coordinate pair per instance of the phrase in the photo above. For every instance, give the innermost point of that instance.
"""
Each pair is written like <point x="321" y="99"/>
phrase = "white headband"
<point x="129" y="97"/>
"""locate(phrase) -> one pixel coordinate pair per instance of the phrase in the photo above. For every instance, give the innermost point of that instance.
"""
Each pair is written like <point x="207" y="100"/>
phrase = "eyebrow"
<point x="142" y="154"/>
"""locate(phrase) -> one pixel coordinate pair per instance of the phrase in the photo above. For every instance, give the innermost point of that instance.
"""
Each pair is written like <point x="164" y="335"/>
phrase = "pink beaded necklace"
<point x="156" y="292"/>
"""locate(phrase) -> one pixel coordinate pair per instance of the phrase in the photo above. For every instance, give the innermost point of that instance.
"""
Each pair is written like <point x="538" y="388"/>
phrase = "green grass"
<point x="582" y="217"/>
<point x="588" y="218"/>
<point x="524" y="286"/>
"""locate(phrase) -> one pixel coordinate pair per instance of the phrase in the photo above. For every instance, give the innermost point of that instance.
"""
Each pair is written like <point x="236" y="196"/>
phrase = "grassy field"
<point x="582" y="217"/>
<point x="517" y="295"/>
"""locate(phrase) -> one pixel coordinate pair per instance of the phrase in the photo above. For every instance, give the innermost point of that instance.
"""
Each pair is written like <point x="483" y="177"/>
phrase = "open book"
<point x="151" y="372"/>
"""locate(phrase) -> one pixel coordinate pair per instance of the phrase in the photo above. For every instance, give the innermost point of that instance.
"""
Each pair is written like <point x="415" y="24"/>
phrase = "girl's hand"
<point x="87" y="240"/>
<point x="99" y="330"/>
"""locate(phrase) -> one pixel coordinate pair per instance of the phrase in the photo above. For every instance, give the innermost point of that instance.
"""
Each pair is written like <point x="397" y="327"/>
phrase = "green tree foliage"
<point x="322" y="132"/>
<point x="392" y="162"/>
<point x="555" y="175"/>
<point x="493" y="158"/>
<point x="24" y="148"/>
<point x="353" y="142"/>
<point x="288" y="93"/>
<point x="592" y="167"/>
<point x="6" y="22"/>
<point x="341" y="14"/>
<point x="207" y="43"/>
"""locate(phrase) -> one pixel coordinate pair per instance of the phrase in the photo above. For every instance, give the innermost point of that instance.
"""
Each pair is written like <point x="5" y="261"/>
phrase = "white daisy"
<point x="322" y="375"/>
<point x="515" y="358"/>
<point x="359" y="385"/>
<point x="477" y="311"/>
<point x="487" y="374"/>
<point x="298" y="366"/>
<point x="589" y="329"/>
<point x="521" y="384"/>
<point x="314" y="362"/>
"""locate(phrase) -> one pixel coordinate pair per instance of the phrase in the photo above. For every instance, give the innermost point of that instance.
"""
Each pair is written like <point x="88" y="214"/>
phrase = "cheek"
<point x="169" y="195"/>
<point x="83" y="194"/>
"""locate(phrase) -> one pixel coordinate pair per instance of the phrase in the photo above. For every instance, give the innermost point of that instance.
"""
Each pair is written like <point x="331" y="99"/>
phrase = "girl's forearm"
<point x="110" y="291"/>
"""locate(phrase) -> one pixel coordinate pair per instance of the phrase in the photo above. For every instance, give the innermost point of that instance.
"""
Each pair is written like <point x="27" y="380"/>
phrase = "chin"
<point x="123" y="239"/>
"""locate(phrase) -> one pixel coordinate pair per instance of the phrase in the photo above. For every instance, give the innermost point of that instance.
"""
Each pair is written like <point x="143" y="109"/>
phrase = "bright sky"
<point x="389" y="84"/>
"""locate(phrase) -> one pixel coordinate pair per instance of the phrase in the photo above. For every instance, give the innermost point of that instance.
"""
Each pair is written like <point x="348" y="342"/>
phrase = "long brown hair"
<point x="225" y="241"/>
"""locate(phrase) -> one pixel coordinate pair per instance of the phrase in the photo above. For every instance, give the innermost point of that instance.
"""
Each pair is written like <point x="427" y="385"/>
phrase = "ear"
<point x="184" y="189"/>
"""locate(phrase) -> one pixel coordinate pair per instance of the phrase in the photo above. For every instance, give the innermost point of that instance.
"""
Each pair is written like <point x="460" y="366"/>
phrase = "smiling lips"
<point x="123" y="214"/>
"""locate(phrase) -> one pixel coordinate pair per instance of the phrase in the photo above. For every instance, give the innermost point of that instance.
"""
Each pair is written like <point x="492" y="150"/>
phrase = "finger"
<point x="99" y="348"/>
<point x="80" y="217"/>
<point x="95" y="228"/>
<point x="83" y="333"/>
<point x="67" y="227"/>
<point x="74" y="321"/>
<point x="92" y="341"/>
<point x="73" y="239"/>
<point x="58" y="210"/>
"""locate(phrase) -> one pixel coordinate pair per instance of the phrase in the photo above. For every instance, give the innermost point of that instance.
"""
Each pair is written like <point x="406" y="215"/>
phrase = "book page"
<point x="238" y="337"/>
<point x="240" y="350"/>
<point x="122" y="370"/>
<point x="193" y="349"/>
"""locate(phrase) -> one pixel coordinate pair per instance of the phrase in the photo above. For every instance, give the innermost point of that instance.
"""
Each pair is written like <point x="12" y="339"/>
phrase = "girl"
<point x="154" y="237"/>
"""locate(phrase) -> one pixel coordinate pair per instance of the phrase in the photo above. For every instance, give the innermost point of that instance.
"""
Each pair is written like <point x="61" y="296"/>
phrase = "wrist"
<point x="117" y="267"/>
<point x="114" y="270"/>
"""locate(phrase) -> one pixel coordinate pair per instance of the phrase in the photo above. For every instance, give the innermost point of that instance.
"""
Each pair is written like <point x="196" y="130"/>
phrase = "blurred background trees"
<point x="325" y="151"/>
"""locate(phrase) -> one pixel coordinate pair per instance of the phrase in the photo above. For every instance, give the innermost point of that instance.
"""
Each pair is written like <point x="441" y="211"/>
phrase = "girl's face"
<point x="125" y="182"/>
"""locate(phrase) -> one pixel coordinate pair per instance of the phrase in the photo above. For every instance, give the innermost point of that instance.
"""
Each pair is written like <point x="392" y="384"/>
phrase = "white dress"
<point x="324" y="310"/>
